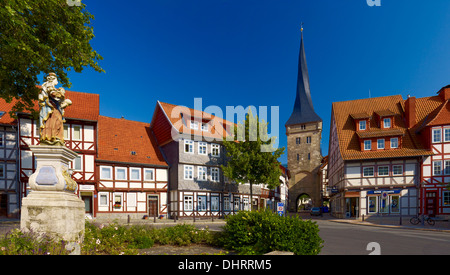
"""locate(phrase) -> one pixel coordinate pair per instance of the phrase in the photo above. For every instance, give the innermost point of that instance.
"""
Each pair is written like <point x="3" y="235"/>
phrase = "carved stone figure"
<point x="52" y="102"/>
<point x="52" y="207"/>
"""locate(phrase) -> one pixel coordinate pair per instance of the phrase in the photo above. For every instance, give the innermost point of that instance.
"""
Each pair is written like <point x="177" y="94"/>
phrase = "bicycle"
<point x="416" y="220"/>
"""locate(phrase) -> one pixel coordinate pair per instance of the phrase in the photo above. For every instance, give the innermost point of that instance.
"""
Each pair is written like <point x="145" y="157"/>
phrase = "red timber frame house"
<point x="122" y="166"/>
<point x="390" y="156"/>
<point x="429" y="118"/>
<point x="80" y="135"/>
<point x="133" y="176"/>
<point x="137" y="182"/>
<point x="9" y="164"/>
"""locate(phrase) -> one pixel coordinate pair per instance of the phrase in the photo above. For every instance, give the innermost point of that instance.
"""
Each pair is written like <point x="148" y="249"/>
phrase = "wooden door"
<point x="153" y="206"/>
<point x="431" y="203"/>
<point x="87" y="204"/>
<point x="3" y="205"/>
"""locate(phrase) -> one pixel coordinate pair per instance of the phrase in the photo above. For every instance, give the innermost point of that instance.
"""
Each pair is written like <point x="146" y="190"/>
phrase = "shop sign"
<point x="379" y="192"/>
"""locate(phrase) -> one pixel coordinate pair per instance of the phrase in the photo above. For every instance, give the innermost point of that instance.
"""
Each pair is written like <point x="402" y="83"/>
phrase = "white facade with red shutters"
<point x="435" y="134"/>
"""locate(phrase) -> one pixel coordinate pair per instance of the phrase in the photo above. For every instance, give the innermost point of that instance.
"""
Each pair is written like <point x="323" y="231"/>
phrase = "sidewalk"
<point x="388" y="222"/>
<point x="7" y="225"/>
<point x="395" y="222"/>
<point x="159" y="222"/>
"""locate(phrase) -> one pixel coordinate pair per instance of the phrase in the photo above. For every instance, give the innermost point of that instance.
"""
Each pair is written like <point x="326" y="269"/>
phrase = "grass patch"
<point x="111" y="239"/>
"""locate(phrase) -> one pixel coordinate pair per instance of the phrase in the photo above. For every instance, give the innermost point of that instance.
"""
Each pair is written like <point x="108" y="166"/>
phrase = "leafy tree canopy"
<point x="249" y="161"/>
<point x="42" y="36"/>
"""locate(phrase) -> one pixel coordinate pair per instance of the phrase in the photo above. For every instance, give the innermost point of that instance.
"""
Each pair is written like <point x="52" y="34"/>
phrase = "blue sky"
<point x="245" y="52"/>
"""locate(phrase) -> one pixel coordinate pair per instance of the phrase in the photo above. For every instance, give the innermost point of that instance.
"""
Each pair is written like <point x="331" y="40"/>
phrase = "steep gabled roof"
<point x="349" y="143"/>
<point x="303" y="107"/>
<point x="85" y="106"/>
<point x="442" y="115"/>
<point x="121" y="140"/>
<point x="169" y="118"/>
<point x="6" y="119"/>
<point x="427" y="109"/>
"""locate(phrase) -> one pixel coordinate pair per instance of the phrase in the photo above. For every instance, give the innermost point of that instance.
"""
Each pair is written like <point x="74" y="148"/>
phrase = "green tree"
<point x="248" y="160"/>
<point x="42" y="37"/>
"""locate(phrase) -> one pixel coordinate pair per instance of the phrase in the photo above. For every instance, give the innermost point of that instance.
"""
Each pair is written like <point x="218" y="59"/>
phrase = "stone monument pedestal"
<point x="51" y="207"/>
<point x="58" y="214"/>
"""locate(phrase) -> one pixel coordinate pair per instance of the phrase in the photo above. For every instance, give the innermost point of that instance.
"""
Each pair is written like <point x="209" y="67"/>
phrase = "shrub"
<point x="182" y="234"/>
<point x="262" y="232"/>
<point x="18" y="243"/>
<point x="112" y="239"/>
<point x="141" y="237"/>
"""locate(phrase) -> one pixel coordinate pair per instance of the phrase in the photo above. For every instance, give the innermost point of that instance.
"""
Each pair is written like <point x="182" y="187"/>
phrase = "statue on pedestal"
<point x="52" y="207"/>
<point x="52" y="102"/>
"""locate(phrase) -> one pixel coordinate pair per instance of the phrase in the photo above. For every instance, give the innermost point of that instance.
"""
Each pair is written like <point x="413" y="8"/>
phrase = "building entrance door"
<point x="3" y="205"/>
<point x="87" y="203"/>
<point x="153" y="206"/>
<point x="352" y="207"/>
<point x="431" y="203"/>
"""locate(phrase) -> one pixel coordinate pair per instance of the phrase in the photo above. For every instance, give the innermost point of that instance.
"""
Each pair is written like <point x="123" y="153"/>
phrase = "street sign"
<point x="280" y="208"/>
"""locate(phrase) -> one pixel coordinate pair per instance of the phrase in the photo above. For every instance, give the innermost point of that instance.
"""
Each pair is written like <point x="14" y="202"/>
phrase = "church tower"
<point x="304" y="132"/>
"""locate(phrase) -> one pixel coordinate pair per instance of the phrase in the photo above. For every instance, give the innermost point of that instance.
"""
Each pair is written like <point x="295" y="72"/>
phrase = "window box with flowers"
<point x="117" y="201"/>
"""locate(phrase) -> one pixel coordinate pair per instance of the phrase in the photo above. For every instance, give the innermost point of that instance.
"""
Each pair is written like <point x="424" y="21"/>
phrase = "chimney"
<point x="410" y="112"/>
<point x="444" y="93"/>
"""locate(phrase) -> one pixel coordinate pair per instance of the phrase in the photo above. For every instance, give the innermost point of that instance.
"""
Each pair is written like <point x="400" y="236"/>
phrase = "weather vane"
<point x="301" y="27"/>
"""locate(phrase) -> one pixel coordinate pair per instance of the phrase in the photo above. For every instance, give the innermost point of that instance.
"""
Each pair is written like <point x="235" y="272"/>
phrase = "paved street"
<point x="342" y="238"/>
<point x="351" y="239"/>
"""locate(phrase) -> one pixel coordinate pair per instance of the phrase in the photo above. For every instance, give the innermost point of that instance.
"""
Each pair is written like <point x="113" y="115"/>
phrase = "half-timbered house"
<point x="429" y="120"/>
<point x="374" y="159"/>
<point x="133" y="175"/>
<point x="191" y="141"/>
<point x="9" y="164"/>
<point x="80" y="135"/>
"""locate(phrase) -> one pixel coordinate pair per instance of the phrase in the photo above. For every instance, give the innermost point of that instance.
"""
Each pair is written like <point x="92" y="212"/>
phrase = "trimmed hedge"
<point x="261" y="232"/>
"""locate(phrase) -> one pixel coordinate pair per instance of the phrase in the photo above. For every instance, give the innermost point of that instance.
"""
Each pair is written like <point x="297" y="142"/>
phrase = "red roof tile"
<point x="85" y="106"/>
<point x="180" y="116"/>
<point x="442" y="115"/>
<point x="118" y="138"/>
<point x="349" y="143"/>
<point x="6" y="107"/>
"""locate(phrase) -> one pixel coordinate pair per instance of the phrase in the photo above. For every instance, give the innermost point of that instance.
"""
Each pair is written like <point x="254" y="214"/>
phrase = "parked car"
<point x="316" y="211"/>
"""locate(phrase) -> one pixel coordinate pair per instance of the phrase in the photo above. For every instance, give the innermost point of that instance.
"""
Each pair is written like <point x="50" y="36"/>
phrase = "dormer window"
<point x="194" y="124"/>
<point x="386" y="123"/>
<point x="367" y="145"/>
<point x="361" y="121"/>
<point x="385" y="119"/>
<point x="394" y="143"/>
<point x="362" y="125"/>
<point x="205" y="127"/>
<point x="380" y="143"/>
